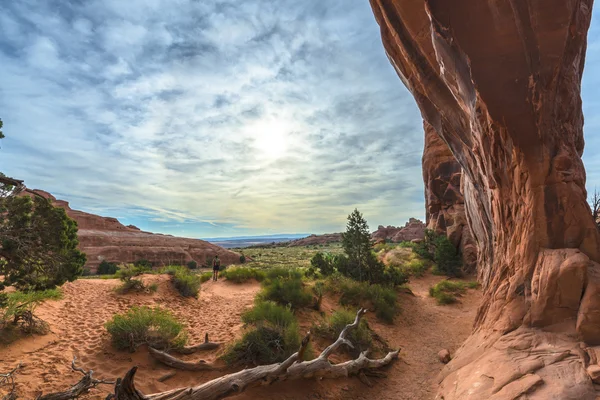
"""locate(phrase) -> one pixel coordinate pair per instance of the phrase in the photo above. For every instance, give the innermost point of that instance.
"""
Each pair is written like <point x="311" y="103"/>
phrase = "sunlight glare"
<point x="271" y="137"/>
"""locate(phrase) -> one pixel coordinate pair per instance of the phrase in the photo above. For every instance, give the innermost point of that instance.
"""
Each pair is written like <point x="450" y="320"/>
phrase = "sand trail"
<point x="77" y="325"/>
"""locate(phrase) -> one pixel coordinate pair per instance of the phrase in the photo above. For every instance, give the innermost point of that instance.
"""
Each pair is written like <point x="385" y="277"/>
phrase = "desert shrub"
<point x="186" y="283"/>
<point x="395" y="276"/>
<point x="242" y="259"/>
<point x="153" y="287"/>
<point x="86" y="272"/>
<point x="171" y="269"/>
<point x="35" y="296"/>
<point x="408" y="245"/>
<point x="127" y="275"/>
<point x="155" y="327"/>
<point x="445" y="292"/>
<point x="416" y="267"/>
<point x="446" y="257"/>
<point x="263" y="345"/>
<point x="271" y="312"/>
<point x="17" y="313"/>
<point x="143" y="264"/>
<point x="283" y="273"/>
<point x="360" y="337"/>
<point x="206" y="276"/>
<point x="318" y="290"/>
<point x="192" y="264"/>
<point x="381" y="298"/>
<point x="288" y="292"/>
<point x="242" y="274"/>
<point x="107" y="268"/>
<point x="322" y="263"/>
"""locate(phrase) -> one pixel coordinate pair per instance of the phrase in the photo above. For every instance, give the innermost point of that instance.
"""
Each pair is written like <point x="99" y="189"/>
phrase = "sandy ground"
<point x="421" y="330"/>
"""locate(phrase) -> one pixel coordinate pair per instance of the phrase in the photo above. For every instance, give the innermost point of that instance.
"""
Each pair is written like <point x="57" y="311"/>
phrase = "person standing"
<point x="216" y="266"/>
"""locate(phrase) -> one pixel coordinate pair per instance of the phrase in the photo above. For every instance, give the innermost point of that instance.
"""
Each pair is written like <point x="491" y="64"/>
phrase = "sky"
<point x="219" y="118"/>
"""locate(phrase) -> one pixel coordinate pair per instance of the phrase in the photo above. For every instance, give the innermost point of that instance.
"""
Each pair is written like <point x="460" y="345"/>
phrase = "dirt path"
<point x="421" y="330"/>
<point x="77" y="324"/>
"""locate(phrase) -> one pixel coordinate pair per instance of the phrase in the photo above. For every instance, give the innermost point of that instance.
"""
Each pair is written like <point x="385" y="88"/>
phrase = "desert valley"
<point x="237" y="122"/>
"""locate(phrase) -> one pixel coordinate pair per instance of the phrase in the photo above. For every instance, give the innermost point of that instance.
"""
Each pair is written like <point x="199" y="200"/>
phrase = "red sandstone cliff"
<point x="105" y="238"/>
<point x="444" y="202"/>
<point x="499" y="82"/>
<point x="413" y="229"/>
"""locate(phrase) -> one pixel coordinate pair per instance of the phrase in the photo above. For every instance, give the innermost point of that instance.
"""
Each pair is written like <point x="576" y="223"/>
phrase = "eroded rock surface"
<point x="105" y="238"/>
<point x="444" y="202"/>
<point x="499" y="82"/>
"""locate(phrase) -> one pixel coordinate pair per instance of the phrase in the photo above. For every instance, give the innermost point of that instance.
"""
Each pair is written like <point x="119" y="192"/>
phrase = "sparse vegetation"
<point x="107" y="268"/>
<point x="242" y="274"/>
<point x="242" y="259"/>
<point x="272" y="336"/>
<point x="331" y="328"/>
<point x="155" y="327"/>
<point x="17" y="313"/>
<point x="285" y="287"/>
<point x="439" y="249"/>
<point x="192" y="264"/>
<point x="380" y="298"/>
<point x="446" y="292"/>
<point x="127" y="274"/>
<point x="206" y="276"/>
<point x="186" y="283"/>
<point x="143" y="264"/>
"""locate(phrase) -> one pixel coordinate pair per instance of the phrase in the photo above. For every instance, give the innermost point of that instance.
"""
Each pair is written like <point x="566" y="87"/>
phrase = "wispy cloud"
<point x="214" y="117"/>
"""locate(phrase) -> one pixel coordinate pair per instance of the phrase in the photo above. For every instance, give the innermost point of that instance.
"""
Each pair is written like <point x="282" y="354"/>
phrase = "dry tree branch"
<point x="207" y="345"/>
<point x="83" y="386"/>
<point x="9" y="378"/>
<point x="231" y="384"/>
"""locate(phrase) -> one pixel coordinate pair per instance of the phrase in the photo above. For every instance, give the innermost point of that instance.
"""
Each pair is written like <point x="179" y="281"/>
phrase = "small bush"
<point x="144" y="265"/>
<point x="287" y="292"/>
<point x="416" y="267"/>
<point x="153" y="287"/>
<point x="17" y="313"/>
<point x="206" y="276"/>
<point x="155" y="327"/>
<point x="242" y="274"/>
<point x="446" y="257"/>
<point x="360" y="337"/>
<point x="186" y="283"/>
<point x="242" y="259"/>
<point x="192" y="264"/>
<point x="395" y="276"/>
<point x="127" y="275"/>
<point x="35" y="296"/>
<point x="171" y="269"/>
<point x="270" y="312"/>
<point x="263" y="345"/>
<point x="86" y="272"/>
<point x="323" y="264"/>
<point x="107" y="268"/>
<point x="283" y="273"/>
<point x="445" y="292"/>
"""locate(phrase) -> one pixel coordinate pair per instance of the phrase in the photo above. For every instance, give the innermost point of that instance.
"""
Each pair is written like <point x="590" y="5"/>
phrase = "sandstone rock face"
<point x="444" y="202"/>
<point x="499" y="82"/>
<point x="413" y="229"/>
<point x="105" y="238"/>
<point x="317" y="239"/>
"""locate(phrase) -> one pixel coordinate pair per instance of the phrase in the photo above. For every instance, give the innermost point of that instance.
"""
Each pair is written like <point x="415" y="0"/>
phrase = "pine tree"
<point x="357" y="244"/>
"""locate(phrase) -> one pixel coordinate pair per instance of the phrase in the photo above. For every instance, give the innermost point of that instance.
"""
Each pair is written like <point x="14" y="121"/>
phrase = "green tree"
<point x="356" y="242"/>
<point x="1" y="134"/>
<point x="107" y="268"/>
<point x="38" y="244"/>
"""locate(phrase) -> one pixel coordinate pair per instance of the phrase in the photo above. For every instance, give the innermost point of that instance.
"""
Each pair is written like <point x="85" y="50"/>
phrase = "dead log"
<point x="9" y="378"/>
<point x="81" y="387"/>
<point x="207" y="345"/>
<point x="237" y="382"/>
<point x="176" y="363"/>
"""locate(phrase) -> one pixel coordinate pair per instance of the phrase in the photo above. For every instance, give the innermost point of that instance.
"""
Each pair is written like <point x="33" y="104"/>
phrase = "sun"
<point x="271" y="137"/>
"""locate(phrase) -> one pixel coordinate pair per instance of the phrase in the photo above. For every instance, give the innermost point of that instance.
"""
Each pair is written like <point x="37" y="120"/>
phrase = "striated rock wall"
<point x="499" y="82"/>
<point x="105" y="238"/>
<point x="444" y="202"/>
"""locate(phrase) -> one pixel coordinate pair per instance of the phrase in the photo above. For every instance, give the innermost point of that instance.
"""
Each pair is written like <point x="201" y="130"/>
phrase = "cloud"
<point x="210" y="118"/>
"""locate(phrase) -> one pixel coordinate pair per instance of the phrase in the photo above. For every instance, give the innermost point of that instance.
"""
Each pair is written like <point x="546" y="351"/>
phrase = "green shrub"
<point x="395" y="276"/>
<point x="242" y="274"/>
<point x="144" y="265"/>
<point x="271" y="312"/>
<point x="263" y="345"/>
<point x="206" y="276"/>
<point x="283" y="273"/>
<point x="242" y="259"/>
<point x="172" y="269"/>
<point x="360" y="336"/>
<point x="192" y="264"/>
<point x="107" y="268"/>
<point x="416" y="267"/>
<point x="287" y="292"/>
<point x="322" y="263"/>
<point x="86" y="272"/>
<point x="155" y="327"/>
<point x="445" y="292"/>
<point x="17" y="313"/>
<point x="127" y="274"/>
<point x="186" y="283"/>
<point x="446" y="257"/>
<point x="362" y="294"/>
<point x="153" y="287"/>
<point x="35" y="296"/>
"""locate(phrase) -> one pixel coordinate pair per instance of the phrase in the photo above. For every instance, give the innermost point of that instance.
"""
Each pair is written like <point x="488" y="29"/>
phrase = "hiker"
<point x="216" y="266"/>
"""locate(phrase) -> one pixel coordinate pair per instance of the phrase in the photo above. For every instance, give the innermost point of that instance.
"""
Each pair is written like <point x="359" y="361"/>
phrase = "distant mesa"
<point x="105" y="238"/>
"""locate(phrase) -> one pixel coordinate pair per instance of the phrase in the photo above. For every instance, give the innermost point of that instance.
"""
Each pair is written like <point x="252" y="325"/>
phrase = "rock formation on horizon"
<point x="499" y="81"/>
<point x="105" y="238"/>
<point x="413" y="229"/>
<point x="444" y="201"/>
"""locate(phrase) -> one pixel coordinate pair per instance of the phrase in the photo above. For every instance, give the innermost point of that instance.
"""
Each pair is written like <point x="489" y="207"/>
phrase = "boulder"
<point x="444" y="356"/>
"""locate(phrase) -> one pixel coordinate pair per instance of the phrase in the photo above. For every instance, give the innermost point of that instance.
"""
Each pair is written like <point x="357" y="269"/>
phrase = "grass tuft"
<point x="446" y="292"/>
<point x="331" y="328"/>
<point x="242" y="274"/>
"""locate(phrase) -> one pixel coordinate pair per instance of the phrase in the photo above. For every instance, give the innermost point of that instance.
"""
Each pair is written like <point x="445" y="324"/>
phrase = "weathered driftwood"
<point x="207" y="345"/>
<point x="81" y="387"/>
<point x="237" y="382"/>
<point x="180" y="364"/>
<point x="9" y="378"/>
